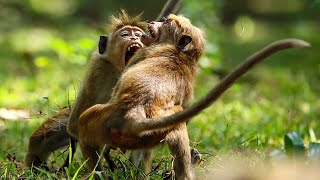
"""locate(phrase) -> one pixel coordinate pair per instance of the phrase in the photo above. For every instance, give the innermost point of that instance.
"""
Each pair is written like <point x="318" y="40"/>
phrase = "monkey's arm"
<point x="96" y="88"/>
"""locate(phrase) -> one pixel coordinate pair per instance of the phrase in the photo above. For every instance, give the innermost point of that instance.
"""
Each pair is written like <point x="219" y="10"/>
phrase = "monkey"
<point x="52" y="133"/>
<point x="106" y="64"/>
<point x="147" y="103"/>
<point x="125" y="41"/>
<point x="148" y="88"/>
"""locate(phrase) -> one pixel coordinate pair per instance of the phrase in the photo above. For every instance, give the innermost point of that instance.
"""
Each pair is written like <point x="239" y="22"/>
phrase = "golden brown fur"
<point x="124" y="19"/>
<point x="51" y="136"/>
<point x="158" y="83"/>
<point x="42" y="142"/>
<point x="177" y="137"/>
<point x="103" y="73"/>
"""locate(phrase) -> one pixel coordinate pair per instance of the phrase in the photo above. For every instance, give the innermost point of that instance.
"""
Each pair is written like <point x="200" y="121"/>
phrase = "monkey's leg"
<point x="142" y="158"/>
<point x="92" y="154"/>
<point x="178" y="142"/>
<point x="50" y="136"/>
<point x="73" y="146"/>
<point x="110" y="162"/>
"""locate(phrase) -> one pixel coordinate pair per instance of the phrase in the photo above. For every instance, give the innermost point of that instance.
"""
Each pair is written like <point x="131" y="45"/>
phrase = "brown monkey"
<point x="51" y="136"/>
<point x="158" y="83"/>
<point x="147" y="103"/>
<point x="122" y="43"/>
<point x="106" y="65"/>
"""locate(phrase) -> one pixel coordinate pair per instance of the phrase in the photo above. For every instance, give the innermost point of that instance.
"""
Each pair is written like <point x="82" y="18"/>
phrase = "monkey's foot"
<point x="196" y="156"/>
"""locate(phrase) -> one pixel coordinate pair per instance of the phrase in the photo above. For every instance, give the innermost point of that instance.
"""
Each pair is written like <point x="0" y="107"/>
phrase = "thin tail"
<point x="216" y="92"/>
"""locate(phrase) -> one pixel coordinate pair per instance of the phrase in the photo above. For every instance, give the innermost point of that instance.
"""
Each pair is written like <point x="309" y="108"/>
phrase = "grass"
<point x="248" y="122"/>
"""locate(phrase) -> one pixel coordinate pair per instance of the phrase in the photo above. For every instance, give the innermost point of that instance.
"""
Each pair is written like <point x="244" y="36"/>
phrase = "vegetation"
<point x="44" y="52"/>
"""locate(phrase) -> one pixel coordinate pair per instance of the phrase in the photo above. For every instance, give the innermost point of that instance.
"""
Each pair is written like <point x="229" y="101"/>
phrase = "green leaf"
<point x="70" y="153"/>
<point x="61" y="47"/>
<point x="41" y="61"/>
<point x="313" y="137"/>
<point x="5" y="173"/>
<point x="78" y="170"/>
<point x="293" y="144"/>
<point x="314" y="151"/>
<point x="48" y="174"/>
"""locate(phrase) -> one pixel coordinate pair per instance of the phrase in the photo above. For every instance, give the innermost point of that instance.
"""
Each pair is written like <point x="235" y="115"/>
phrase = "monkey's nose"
<point x="151" y="22"/>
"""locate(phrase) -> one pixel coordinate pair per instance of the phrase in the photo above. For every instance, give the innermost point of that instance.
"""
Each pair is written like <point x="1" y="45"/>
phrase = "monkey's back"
<point x="155" y="87"/>
<point x="156" y="84"/>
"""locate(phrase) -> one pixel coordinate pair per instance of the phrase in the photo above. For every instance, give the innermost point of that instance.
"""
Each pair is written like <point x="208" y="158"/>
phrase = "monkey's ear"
<point x="183" y="42"/>
<point x="103" y="44"/>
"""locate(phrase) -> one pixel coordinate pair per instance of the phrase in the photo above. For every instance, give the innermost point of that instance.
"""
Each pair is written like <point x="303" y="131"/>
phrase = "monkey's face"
<point x="154" y="33"/>
<point x="160" y="32"/>
<point x="173" y="29"/>
<point x="124" y="44"/>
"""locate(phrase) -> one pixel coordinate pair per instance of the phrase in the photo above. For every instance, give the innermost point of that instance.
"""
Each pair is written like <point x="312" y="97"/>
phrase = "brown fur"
<point x="99" y="81"/>
<point x="103" y="73"/>
<point x="124" y="19"/>
<point x="42" y="143"/>
<point x="158" y="82"/>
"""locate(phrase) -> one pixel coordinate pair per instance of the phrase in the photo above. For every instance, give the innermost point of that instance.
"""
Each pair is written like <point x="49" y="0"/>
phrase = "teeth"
<point x="133" y="45"/>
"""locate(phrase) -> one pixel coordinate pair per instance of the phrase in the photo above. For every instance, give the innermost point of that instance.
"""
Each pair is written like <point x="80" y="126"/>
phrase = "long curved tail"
<point x="216" y="92"/>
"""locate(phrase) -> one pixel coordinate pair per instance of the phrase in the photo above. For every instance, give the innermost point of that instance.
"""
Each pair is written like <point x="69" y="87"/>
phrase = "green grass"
<point x="248" y="122"/>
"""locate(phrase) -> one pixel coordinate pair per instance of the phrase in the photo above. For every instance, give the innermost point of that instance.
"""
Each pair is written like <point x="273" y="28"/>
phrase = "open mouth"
<point x="131" y="50"/>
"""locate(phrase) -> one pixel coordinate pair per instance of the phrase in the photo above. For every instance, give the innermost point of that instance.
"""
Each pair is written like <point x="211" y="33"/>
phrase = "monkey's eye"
<point x="124" y="33"/>
<point x="138" y="33"/>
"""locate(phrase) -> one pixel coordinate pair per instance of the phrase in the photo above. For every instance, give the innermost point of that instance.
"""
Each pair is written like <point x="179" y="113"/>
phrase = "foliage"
<point x="43" y="59"/>
<point x="294" y="147"/>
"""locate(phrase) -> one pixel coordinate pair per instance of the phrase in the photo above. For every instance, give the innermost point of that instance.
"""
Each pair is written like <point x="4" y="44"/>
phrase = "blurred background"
<point x="45" y="46"/>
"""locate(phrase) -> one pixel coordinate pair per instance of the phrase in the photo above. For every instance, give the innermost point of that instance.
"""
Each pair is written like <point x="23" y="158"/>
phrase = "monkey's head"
<point x="179" y="31"/>
<point x="123" y="40"/>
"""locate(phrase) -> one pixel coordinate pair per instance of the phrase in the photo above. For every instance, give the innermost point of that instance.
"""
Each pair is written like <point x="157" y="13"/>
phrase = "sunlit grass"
<point x="279" y="96"/>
